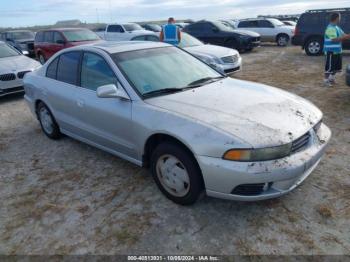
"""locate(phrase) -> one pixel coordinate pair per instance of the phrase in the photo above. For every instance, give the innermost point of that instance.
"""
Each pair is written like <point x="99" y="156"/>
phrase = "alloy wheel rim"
<point x="282" y="40"/>
<point x="314" y="47"/>
<point x="173" y="175"/>
<point x="46" y="120"/>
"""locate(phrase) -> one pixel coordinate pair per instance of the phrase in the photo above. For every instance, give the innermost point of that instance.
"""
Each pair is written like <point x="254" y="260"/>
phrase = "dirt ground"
<point x="64" y="197"/>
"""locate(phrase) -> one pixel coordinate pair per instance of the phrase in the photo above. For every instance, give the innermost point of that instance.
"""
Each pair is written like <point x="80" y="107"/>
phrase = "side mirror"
<point x="112" y="91"/>
<point x="60" y="42"/>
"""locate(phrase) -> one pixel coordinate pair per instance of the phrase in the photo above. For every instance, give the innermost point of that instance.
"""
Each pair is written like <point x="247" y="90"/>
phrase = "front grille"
<point x="300" y="143"/>
<point x="230" y="59"/>
<point x="232" y="70"/>
<point x="7" y="77"/>
<point x="20" y="75"/>
<point x="251" y="189"/>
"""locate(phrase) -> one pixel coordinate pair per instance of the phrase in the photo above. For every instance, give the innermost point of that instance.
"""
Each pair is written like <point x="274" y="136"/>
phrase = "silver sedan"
<point x="196" y="129"/>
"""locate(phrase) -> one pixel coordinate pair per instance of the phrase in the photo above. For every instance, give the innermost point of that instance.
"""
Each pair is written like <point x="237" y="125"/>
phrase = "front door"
<point x="103" y="121"/>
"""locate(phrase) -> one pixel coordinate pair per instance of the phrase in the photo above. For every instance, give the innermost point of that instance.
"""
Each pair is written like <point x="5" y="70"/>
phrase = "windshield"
<point x="222" y="27"/>
<point x="188" y="41"/>
<point x="276" y="22"/>
<point x="80" y="35"/>
<point x="156" y="28"/>
<point x="20" y="35"/>
<point x="151" y="70"/>
<point x="132" y="27"/>
<point x="7" y="51"/>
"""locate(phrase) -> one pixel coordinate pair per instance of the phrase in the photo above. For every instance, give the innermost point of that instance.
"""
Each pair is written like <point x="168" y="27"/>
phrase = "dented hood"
<point x="260" y="115"/>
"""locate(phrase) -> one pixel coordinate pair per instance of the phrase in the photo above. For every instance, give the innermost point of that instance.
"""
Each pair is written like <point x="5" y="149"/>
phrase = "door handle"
<point x="80" y="103"/>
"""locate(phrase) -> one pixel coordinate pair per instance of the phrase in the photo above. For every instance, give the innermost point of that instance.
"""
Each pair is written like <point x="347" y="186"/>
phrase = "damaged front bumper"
<point x="263" y="180"/>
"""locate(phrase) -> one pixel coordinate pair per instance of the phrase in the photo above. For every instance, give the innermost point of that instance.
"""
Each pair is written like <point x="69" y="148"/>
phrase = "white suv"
<point x="271" y="30"/>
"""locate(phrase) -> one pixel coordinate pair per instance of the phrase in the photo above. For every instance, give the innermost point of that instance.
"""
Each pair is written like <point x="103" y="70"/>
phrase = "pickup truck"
<point x="122" y="32"/>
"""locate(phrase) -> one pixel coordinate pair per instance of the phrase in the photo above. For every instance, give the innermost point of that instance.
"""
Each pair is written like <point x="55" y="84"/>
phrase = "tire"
<point x="41" y="58"/>
<point x="282" y="40"/>
<point x="314" y="46"/>
<point x="173" y="166"/>
<point x="47" y="122"/>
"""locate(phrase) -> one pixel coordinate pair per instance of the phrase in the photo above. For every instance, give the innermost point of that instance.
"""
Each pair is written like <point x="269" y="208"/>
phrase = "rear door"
<point x="103" y="121"/>
<point x="60" y="91"/>
<point x="48" y="44"/>
<point x="267" y="30"/>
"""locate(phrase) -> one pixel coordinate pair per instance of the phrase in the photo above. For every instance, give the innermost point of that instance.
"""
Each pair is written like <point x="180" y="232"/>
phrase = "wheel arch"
<point x="309" y="37"/>
<point x="157" y="138"/>
<point x="280" y="34"/>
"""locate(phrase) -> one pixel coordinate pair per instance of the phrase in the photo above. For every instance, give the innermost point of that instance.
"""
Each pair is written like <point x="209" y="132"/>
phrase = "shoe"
<point x="327" y="83"/>
<point x="331" y="79"/>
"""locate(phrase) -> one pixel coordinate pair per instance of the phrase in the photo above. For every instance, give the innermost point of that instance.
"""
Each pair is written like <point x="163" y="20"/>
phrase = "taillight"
<point x="296" y="31"/>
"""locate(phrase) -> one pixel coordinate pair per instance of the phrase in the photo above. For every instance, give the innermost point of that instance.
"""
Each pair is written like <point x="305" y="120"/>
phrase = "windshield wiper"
<point x="163" y="91"/>
<point x="204" y="80"/>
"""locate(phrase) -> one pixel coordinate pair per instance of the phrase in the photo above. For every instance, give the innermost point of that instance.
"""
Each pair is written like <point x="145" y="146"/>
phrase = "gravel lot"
<point x="64" y="197"/>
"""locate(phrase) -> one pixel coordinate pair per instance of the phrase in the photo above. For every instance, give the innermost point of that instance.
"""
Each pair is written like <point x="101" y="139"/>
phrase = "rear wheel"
<point x="314" y="47"/>
<point x="47" y="122"/>
<point x="282" y="40"/>
<point x="176" y="173"/>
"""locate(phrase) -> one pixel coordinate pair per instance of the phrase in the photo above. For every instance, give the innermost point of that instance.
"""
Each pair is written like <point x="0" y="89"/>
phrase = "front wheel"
<point x="177" y="174"/>
<point x="314" y="47"/>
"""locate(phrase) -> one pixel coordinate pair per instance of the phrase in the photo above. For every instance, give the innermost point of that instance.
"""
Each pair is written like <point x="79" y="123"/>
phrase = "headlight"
<point x="261" y="154"/>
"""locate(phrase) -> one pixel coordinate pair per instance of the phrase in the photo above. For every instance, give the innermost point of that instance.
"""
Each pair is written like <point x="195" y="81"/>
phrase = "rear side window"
<point x="39" y="37"/>
<point x="248" y="24"/>
<point x="265" y="24"/>
<point x="51" y="71"/>
<point x="194" y="27"/>
<point x="48" y="37"/>
<point x="345" y="21"/>
<point x="67" y="70"/>
<point x="115" y="29"/>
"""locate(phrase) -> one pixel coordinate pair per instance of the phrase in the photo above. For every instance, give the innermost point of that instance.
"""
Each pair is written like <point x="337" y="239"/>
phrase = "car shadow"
<point x="11" y="98"/>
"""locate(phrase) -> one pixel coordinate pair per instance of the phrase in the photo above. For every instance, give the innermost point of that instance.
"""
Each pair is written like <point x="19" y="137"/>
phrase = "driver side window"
<point x="95" y="72"/>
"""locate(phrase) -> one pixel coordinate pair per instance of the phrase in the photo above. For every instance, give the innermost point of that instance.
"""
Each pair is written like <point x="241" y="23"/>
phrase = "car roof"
<point x="63" y="29"/>
<point x="125" y="46"/>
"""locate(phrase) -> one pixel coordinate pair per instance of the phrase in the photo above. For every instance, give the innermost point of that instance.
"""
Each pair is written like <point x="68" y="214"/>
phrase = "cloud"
<point x="31" y="12"/>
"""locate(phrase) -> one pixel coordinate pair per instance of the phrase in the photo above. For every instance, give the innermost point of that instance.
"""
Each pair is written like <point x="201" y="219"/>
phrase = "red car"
<point x="49" y="42"/>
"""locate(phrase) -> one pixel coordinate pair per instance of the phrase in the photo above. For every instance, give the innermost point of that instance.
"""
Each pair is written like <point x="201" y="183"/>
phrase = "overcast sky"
<point x="46" y="12"/>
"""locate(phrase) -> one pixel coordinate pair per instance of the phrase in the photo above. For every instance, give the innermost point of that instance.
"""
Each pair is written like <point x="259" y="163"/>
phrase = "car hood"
<point x="17" y="63"/>
<point x="211" y="50"/>
<point x="246" y="33"/>
<point x="260" y="115"/>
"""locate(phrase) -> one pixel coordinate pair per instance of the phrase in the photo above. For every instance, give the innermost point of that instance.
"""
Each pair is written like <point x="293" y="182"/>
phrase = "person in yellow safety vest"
<point x="333" y="38"/>
<point x="170" y="33"/>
